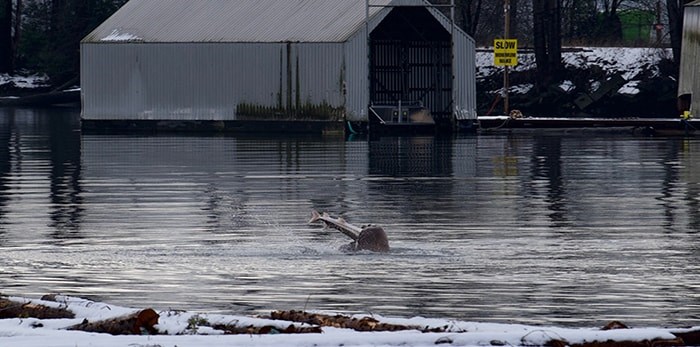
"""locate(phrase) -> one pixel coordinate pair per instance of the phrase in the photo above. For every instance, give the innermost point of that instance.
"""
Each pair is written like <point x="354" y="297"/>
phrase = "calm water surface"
<point x="572" y="229"/>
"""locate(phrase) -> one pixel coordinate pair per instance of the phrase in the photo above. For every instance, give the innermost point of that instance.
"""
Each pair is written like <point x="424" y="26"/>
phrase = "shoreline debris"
<point x="65" y="311"/>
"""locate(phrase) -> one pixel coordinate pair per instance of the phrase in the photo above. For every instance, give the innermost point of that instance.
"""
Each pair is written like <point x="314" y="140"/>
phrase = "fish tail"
<point x="315" y="216"/>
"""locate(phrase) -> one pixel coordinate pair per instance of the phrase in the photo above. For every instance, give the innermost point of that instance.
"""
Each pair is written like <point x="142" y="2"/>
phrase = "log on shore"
<point x="136" y="323"/>
<point x="232" y="329"/>
<point x="14" y="309"/>
<point x="345" y="322"/>
<point x="690" y="338"/>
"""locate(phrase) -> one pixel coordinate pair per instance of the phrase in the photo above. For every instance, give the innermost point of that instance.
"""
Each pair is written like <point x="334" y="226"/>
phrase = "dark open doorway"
<point x="411" y="66"/>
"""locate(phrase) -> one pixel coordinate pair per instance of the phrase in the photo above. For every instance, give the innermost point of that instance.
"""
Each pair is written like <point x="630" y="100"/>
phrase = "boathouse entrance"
<point x="411" y="69"/>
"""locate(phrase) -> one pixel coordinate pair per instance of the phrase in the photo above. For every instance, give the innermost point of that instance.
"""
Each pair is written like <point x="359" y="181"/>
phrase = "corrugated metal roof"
<point x="237" y="20"/>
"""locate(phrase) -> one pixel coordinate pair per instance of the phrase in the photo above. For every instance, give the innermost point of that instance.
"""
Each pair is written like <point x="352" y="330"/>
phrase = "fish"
<point x="371" y="237"/>
<point x="339" y="224"/>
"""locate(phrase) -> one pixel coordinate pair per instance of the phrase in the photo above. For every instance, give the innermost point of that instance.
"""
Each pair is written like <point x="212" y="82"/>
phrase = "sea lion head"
<point x="371" y="238"/>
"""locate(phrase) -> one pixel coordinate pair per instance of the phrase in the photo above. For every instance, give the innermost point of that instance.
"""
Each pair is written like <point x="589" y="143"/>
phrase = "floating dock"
<point x="647" y="125"/>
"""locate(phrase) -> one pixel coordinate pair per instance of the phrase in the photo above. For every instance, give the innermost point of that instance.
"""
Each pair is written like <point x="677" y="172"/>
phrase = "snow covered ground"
<point x="24" y="81"/>
<point x="633" y="64"/>
<point x="179" y="328"/>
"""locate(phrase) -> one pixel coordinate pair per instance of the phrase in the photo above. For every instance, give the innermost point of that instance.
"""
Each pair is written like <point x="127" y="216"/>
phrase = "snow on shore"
<point x="177" y="329"/>
<point x="632" y="64"/>
<point x="24" y="82"/>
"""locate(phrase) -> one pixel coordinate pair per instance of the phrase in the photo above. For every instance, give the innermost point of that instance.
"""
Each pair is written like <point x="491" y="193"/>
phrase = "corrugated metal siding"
<point x="357" y="77"/>
<point x="321" y="74"/>
<point x="689" y="75"/>
<point x="357" y="69"/>
<point x="205" y="81"/>
<point x="235" y="20"/>
<point x="464" y="68"/>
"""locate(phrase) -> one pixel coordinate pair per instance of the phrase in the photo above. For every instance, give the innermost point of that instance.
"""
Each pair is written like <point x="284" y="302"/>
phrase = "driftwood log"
<point x="134" y="324"/>
<point x="690" y="338"/>
<point x="264" y="330"/>
<point x="14" y="309"/>
<point x="345" y="322"/>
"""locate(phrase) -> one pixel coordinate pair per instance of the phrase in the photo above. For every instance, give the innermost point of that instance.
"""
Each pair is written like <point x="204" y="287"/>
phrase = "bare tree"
<point x="6" y="36"/>
<point x="469" y="12"/>
<point x="611" y="27"/>
<point x="17" y="30"/>
<point x="579" y="17"/>
<point x="547" y="40"/>
<point x="514" y="19"/>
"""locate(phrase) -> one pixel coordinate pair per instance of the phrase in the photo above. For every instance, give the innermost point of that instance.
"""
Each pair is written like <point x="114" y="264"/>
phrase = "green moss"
<point x="307" y="111"/>
<point x="692" y="36"/>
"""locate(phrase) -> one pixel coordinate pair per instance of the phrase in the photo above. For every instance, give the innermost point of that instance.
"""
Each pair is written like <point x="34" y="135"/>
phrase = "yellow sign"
<point x="505" y="52"/>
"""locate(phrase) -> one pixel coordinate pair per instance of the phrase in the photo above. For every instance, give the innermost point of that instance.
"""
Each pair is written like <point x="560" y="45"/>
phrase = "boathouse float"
<point x="277" y="65"/>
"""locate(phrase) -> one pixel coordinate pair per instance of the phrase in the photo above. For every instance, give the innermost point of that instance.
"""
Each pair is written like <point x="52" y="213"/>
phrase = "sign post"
<point x="505" y="53"/>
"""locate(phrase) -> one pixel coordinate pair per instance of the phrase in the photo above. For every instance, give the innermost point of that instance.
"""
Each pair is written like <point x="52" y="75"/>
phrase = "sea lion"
<point x="370" y="238"/>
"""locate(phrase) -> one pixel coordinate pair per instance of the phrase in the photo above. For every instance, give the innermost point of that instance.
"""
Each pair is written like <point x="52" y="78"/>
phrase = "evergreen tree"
<point x="51" y="34"/>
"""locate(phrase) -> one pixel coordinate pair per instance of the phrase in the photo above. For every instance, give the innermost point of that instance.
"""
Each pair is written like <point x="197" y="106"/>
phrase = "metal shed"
<point x="689" y="84"/>
<point x="233" y="63"/>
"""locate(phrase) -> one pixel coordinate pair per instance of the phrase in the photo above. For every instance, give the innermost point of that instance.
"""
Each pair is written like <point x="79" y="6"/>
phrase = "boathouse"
<point x="291" y="65"/>
<point x="689" y="83"/>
